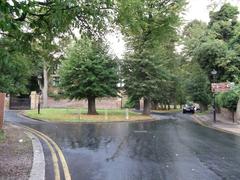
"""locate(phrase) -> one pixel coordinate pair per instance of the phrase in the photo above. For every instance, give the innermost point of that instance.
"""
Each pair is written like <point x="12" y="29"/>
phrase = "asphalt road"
<point x="173" y="148"/>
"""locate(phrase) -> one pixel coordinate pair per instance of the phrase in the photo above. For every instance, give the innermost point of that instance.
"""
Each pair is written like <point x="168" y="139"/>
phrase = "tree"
<point x="216" y="46"/>
<point x="88" y="72"/>
<point x="198" y="87"/>
<point x="229" y="100"/>
<point x="193" y="35"/>
<point x="15" y="72"/>
<point x="150" y="26"/>
<point x="224" y="21"/>
<point x="28" y="24"/>
<point x="217" y="50"/>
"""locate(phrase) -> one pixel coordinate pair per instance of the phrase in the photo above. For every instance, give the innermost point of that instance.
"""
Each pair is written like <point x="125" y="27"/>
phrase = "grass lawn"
<point x="80" y="115"/>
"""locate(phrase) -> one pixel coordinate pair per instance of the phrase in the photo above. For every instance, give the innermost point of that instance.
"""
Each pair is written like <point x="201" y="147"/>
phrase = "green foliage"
<point x="88" y="71"/>
<point x="150" y="27"/>
<point x="30" y="27"/>
<point x="56" y="96"/>
<point x="198" y="86"/>
<point x="52" y="17"/>
<point x="211" y="54"/>
<point x="193" y="35"/>
<point x="217" y="46"/>
<point x="131" y="102"/>
<point x="15" y="72"/>
<point x="229" y="99"/>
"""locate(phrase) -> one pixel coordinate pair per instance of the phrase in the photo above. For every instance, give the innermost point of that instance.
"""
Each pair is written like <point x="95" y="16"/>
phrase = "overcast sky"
<point x="196" y="9"/>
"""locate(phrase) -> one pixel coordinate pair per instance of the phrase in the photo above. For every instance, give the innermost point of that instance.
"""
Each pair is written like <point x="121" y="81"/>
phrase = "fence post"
<point x="80" y="114"/>
<point x="127" y="115"/>
<point x="2" y="99"/>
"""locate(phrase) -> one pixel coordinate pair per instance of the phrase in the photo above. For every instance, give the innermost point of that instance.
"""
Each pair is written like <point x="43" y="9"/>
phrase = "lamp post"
<point x="39" y="94"/>
<point x="39" y="103"/>
<point x="214" y="74"/>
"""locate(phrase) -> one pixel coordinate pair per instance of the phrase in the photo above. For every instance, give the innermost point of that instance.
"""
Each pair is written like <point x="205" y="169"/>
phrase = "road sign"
<point x="222" y="87"/>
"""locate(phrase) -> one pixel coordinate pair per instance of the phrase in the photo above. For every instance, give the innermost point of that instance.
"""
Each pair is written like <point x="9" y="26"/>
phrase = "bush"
<point x="56" y="96"/>
<point x="229" y="99"/>
<point x="131" y="102"/>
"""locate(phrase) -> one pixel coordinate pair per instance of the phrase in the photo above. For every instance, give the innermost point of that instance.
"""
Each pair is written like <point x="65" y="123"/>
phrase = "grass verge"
<point x="80" y="115"/>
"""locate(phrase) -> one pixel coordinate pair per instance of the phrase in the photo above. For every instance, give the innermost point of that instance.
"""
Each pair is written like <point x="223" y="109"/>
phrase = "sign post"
<point x="219" y="87"/>
<point x="222" y="87"/>
<point x="2" y="99"/>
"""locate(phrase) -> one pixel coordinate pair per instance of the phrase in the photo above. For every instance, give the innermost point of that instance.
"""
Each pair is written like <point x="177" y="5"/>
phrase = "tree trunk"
<point x="45" y="86"/>
<point x="137" y="105"/>
<point x="165" y="107"/>
<point x="175" y="105"/>
<point x="2" y="105"/>
<point x="92" y="106"/>
<point x="147" y="106"/>
<point x="233" y="117"/>
<point x="238" y="111"/>
<point x="168" y="107"/>
<point x="154" y="106"/>
<point x="161" y="106"/>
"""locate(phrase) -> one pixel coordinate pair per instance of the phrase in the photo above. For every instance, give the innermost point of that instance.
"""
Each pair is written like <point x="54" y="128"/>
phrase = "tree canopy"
<point x="150" y="27"/>
<point x="214" y="46"/>
<point x="89" y="72"/>
<point x="25" y="25"/>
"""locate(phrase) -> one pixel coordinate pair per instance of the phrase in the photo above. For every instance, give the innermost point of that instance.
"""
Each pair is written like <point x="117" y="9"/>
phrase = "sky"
<point x="196" y="9"/>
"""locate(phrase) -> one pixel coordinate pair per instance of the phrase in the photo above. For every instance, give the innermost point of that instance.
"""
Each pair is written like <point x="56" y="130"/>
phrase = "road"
<point x="173" y="148"/>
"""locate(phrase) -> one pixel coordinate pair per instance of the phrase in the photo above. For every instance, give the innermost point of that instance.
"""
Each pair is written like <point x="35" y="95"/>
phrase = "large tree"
<point x="215" y="45"/>
<point x="89" y="72"/>
<point x="37" y="23"/>
<point x="150" y="27"/>
<point x="15" y="71"/>
<point x="218" y="49"/>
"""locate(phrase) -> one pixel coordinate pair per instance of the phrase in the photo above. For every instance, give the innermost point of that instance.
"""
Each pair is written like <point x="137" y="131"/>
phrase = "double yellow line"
<point x="52" y="145"/>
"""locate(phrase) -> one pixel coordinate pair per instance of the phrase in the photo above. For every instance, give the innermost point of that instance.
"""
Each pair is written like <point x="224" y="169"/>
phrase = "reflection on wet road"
<point x="164" y="149"/>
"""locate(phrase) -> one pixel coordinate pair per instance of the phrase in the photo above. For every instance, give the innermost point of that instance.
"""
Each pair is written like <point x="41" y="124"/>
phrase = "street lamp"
<point x="214" y="74"/>
<point x="39" y="103"/>
<point x="39" y="94"/>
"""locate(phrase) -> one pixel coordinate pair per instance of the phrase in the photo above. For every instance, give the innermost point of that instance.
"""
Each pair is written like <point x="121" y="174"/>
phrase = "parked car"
<point x="188" y="108"/>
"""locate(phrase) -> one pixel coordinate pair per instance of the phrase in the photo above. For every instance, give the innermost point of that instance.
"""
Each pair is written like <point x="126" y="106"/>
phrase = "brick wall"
<point x="226" y="114"/>
<point x="109" y="103"/>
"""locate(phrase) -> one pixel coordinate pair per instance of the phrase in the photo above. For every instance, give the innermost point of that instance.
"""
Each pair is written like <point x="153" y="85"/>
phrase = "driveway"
<point x="173" y="148"/>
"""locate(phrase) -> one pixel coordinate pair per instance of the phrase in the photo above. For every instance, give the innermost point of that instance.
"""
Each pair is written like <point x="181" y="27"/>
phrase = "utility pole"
<point x="2" y="104"/>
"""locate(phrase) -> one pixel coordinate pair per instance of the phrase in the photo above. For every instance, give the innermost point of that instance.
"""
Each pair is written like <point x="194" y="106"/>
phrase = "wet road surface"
<point x="173" y="148"/>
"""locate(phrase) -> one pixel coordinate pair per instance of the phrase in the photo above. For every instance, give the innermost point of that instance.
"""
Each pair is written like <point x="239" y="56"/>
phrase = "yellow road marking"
<point x="61" y="156"/>
<point x="54" y="155"/>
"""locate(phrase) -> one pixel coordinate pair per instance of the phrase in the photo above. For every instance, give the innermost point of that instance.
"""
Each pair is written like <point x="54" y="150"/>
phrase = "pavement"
<point x="171" y="148"/>
<point x="15" y="154"/>
<point x="221" y="124"/>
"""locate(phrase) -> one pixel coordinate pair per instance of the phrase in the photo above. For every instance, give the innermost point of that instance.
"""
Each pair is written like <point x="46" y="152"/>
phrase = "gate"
<point x="19" y="103"/>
